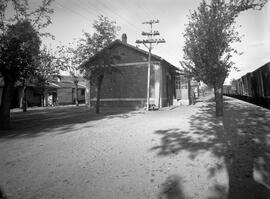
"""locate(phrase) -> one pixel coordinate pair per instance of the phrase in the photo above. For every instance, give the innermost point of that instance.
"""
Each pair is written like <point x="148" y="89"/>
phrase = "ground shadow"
<point x="63" y="119"/>
<point x="171" y="188"/>
<point x="2" y="194"/>
<point x="241" y="137"/>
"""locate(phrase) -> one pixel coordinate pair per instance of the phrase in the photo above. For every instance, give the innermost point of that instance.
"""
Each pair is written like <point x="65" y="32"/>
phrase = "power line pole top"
<point x="151" y="21"/>
<point x="150" y="41"/>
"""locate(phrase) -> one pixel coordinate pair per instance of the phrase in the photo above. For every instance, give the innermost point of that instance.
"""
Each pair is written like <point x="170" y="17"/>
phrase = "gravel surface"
<point x="177" y="152"/>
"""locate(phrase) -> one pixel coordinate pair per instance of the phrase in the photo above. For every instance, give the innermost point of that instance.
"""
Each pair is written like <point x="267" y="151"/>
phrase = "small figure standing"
<point x="192" y="97"/>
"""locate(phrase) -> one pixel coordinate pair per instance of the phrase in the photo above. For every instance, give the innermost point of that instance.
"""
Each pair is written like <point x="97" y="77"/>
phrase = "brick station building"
<point x="129" y="88"/>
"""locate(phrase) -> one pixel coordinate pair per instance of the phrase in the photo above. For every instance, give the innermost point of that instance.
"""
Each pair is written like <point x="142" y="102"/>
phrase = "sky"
<point x="72" y="17"/>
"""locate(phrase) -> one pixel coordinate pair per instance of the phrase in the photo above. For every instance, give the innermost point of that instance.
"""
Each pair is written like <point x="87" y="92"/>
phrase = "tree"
<point x="68" y="61"/>
<point x="97" y="68"/>
<point x="19" y="47"/>
<point x="105" y="32"/>
<point x="101" y="59"/>
<point x="19" y="51"/>
<point x="39" y="17"/>
<point x="47" y="71"/>
<point x="208" y="37"/>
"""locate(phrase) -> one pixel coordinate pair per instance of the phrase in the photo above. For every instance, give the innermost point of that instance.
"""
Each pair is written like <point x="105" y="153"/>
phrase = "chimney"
<point x="124" y="38"/>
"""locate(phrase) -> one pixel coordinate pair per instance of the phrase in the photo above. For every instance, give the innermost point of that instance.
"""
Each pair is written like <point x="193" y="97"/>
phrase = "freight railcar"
<point x="253" y="87"/>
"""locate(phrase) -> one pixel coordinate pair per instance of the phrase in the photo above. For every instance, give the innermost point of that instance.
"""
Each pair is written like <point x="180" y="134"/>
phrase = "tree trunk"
<point x="99" y="83"/>
<point x="21" y="98"/>
<point x="88" y="94"/>
<point x="189" y="92"/>
<point x="24" y="101"/>
<point x="45" y="99"/>
<point x="42" y="100"/>
<point x="76" y="93"/>
<point x="218" y="90"/>
<point x="6" y="103"/>
<point x="42" y="93"/>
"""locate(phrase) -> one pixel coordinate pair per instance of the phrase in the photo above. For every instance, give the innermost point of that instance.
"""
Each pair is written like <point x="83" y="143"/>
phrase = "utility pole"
<point x="148" y="43"/>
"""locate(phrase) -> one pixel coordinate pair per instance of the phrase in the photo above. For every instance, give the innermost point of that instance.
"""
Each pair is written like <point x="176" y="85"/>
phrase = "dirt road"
<point x="176" y="152"/>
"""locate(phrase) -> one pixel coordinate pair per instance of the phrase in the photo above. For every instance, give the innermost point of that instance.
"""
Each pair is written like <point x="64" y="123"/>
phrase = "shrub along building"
<point x="129" y="86"/>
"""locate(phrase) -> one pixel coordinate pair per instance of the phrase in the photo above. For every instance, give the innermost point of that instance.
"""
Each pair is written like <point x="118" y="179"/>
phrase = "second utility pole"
<point x="149" y="41"/>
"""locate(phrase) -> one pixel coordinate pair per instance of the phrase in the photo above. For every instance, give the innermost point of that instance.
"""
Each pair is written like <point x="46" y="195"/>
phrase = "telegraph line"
<point x="74" y="12"/>
<point x="92" y="11"/>
<point x="132" y="25"/>
<point x="97" y="10"/>
<point x="148" y="43"/>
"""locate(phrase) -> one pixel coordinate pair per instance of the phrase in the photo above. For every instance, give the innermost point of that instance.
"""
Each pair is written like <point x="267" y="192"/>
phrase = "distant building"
<point x="66" y="90"/>
<point x="129" y="88"/>
<point x="32" y="94"/>
<point x="60" y="92"/>
<point x="181" y="88"/>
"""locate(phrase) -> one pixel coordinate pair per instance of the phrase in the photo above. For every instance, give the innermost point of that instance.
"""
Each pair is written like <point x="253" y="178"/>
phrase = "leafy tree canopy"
<point x="19" y="48"/>
<point x="20" y="36"/>
<point x="96" y="58"/>
<point x="208" y="37"/>
<point x="20" y="33"/>
<point x="68" y="60"/>
<point x="47" y="69"/>
<point x="19" y="11"/>
<point x="105" y="32"/>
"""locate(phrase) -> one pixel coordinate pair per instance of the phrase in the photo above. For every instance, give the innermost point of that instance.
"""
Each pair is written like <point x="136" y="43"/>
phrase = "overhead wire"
<point x="98" y="10"/>
<point x="74" y="12"/>
<point x="126" y="6"/>
<point x="117" y="14"/>
<point x="125" y="19"/>
<point x="85" y="9"/>
<point x="92" y="8"/>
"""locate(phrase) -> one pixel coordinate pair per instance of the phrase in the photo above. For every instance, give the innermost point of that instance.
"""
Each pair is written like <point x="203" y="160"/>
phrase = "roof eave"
<point x="117" y="41"/>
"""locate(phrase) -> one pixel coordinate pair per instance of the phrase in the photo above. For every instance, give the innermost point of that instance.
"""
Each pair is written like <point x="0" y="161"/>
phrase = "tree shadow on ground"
<point x="241" y="137"/>
<point x="171" y="188"/>
<point x="60" y="119"/>
<point x="2" y="194"/>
